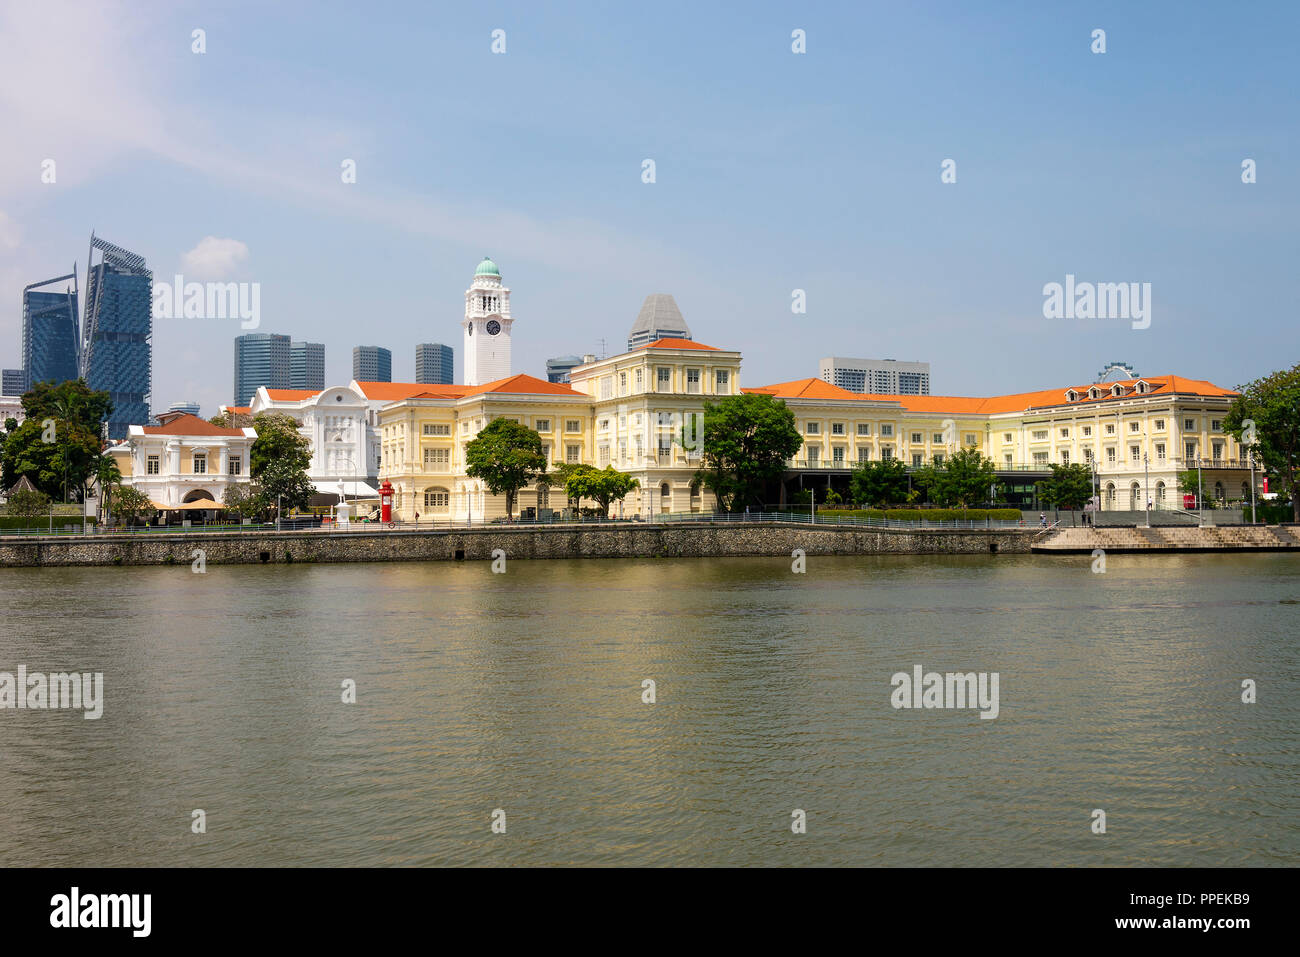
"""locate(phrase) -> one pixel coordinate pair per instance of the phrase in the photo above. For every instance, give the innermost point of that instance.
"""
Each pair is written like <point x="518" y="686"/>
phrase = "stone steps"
<point x="1173" y="538"/>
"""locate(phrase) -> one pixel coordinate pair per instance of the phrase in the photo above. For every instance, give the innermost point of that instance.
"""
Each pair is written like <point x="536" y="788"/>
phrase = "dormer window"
<point x="1071" y="396"/>
<point x="1094" y="393"/>
<point x="1117" y="389"/>
<point x="1142" y="388"/>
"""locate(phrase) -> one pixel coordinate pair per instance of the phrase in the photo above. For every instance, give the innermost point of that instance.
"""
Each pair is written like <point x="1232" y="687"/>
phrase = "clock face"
<point x="493" y="327"/>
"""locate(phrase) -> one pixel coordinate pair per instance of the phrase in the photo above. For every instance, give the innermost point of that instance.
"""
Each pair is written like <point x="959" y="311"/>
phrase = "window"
<point x="1190" y="450"/>
<point x="664" y="379"/>
<point x="1087" y="456"/>
<point x="622" y="383"/>
<point x="693" y="381"/>
<point x="814" y="453"/>
<point x="916" y="460"/>
<point x="436" y="498"/>
<point x="1159" y="425"/>
<point x="602" y="455"/>
<point x="151" y="465"/>
<point x="971" y="438"/>
<point x="1065" y="456"/>
<point x="864" y="428"/>
<point x="917" y="438"/>
<point x="722" y="382"/>
<point x="1160" y="451"/>
<point x="431" y="428"/>
<point x="1189" y="425"/>
<point x="886" y="430"/>
<point x="434" y="458"/>
<point x="1040" y="435"/>
<point x="938" y="459"/>
<point x="813" y="428"/>
<point x="837" y="428"/>
<point x="1006" y="437"/>
<point x="234" y="465"/>
<point x="200" y="463"/>
<point x="1040" y="458"/>
<point x="1110" y="455"/>
<point x="622" y="451"/>
<point x="464" y="427"/>
<point x="1065" y="433"/>
<point x="1087" y="431"/>
<point x="602" y="425"/>
<point x="1135" y="453"/>
<point x="886" y="453"/>
<point x="864" y="455"/>
<point x="837" y="456"/>
<point x="572" y="425"/>
<point x="1007" y="459"/>
<point x="1134" y="426"/>
<point x="640" y="379"/>
<point x="1216" y="450"/>
<point x="1110" y="428"/>
<point x="607" y="387"/>
<point x="937" y="438"/>
<point x="1216" y="425"/>
<point x="572" y="453"/>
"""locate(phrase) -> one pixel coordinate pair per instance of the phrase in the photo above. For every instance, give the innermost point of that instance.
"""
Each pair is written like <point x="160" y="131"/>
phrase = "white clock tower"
<point x="487" y="325"/>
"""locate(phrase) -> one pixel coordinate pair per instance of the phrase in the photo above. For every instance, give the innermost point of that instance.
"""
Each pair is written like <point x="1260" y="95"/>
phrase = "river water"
<point x="522" y="693"/>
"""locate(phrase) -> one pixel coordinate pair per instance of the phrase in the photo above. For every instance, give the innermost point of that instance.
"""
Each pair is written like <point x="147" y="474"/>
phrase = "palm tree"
<point x="109" y="477"/>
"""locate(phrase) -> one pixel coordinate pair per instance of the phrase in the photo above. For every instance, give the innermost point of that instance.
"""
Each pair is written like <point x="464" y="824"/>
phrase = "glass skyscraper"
<point x="372" y="364"/>
<point x="49" y="333"/>
<point x="435" y="364"/>
<point x="261" y="359"/>
<point x="116" y="355"/>
<point x="15" y="382"/>
<point x="307" y="365"/>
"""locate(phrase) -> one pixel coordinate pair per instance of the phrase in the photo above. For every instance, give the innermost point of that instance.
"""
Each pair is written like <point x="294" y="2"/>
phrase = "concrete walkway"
<point x="1173" y="539"/>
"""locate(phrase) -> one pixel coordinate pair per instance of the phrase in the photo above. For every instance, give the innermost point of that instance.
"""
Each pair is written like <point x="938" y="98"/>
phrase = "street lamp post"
<point x="1146" y="481"/>
<point x="1252" y="486"/>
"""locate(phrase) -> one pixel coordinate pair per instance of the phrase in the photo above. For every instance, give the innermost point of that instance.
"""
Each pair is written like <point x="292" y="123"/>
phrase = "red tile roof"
<point x="1160" y="385"/>
<point x="187" y="424"/>
<point x="523" y="384"/>
<point x="671" y="343"/>
<point x="395" y="391"/>
<point x="289" y="395"/>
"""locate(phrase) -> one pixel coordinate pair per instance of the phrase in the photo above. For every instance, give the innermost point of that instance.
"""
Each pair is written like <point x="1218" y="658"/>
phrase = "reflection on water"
<point x="523" y="692"/>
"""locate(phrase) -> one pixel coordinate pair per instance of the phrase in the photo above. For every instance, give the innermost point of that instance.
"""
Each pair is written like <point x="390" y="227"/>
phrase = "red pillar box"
<point x="386" y="501"/>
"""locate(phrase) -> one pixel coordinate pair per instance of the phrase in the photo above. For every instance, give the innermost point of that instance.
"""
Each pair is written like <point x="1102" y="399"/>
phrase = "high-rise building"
<point x="116" y="356"/>
<point x="876" y="376"/>
<point x="659" y="318"/>
<point x="307" y="365"/>
<point x="435" y="364"/>
<point x="372" y="364"/>
<point x="261" y="359"/>
<point x="49" y="333"/>
<point x="14" y="382"/>
<point x="557" y="369"/>
<point x="487" y="325"/>
<point x="191" y="407"/>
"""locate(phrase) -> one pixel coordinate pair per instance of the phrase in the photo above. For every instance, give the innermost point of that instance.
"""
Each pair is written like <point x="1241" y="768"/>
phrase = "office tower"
<point x="372" y="364"/>
<point x="307" y="365"/>
<point x="261" y="359"/>
<point x="49" y="333"/>
<point x="877" y="376"/>
<point x="659" y="318"/>
<point x="558" y="369"/>
<point x="435" y="364"/>
<point x="116" y="356"/>
<point x="191" y="407"/>
<point x="14" y="382"/>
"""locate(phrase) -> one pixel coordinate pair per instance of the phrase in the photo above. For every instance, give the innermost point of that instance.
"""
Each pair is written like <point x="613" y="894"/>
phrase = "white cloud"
<point x="214" y="258"/>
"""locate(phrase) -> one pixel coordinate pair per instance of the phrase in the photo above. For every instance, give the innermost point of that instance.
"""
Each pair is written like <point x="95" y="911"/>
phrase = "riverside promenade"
<point x="678" y="539"/>
<point x="1181" y="538"/>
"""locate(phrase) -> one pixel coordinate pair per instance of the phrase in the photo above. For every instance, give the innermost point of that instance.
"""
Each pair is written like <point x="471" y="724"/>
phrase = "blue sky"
<point x="774" y="172"/>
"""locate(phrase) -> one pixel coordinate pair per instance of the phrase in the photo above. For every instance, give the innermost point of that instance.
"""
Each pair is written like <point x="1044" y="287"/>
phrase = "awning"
<point x="203" y="503"/>
<point x="350" y="489"/>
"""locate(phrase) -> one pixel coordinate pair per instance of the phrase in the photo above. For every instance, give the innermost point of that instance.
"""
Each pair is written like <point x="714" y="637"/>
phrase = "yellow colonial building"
<point x="183" y="459"/>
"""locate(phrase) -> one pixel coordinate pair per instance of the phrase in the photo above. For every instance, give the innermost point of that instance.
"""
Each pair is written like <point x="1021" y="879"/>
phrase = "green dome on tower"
<point x="487" y="268"/>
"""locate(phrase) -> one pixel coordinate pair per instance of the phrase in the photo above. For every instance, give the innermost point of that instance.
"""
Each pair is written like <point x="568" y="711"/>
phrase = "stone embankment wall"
<point x="621" y="541"/>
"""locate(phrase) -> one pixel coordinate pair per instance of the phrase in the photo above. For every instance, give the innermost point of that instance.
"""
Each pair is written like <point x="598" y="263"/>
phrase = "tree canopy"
<point x="964" y="479"/>
<point x="747" y="440"/>
<point x="602" y="486"/>
<point x="1070" y="486"/>
<point x="879" y="483"/>
<point x="58" y="444"/>
<point x="1265" y="419"/>
<point x="505" y="456"/>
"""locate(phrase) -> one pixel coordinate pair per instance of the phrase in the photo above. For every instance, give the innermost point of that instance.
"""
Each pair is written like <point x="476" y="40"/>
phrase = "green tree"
<point x="58" y="445"/>
<point x="602" y="486"/>
<point x="244" y="500"/>
<point x="28" y="503"/>
<point x="747" y="440"/>
<point x="283" y="485"/>
<point x="880" y="483"/>
<point x="278" y="440"/>
<point x="1070" y="486"/>
<point x="506" y="456"/>
<point x="1265" y="418"/>
<point x="130" y="502"/>
<point x="964" y="479"/>
<point x="109" y="479"/>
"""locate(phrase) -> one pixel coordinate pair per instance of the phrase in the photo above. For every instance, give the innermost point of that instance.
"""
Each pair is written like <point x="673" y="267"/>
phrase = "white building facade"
<point x="486" y="327"/>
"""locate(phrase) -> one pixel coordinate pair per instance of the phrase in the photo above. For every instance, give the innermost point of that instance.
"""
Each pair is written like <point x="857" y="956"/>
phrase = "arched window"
<point x="1218" y="491"/>
<point x="437" y="498"/>
<point x="1245" y="491"/>
<point x="1160" y="493"/>
<point x="1134" y="496"/>
<point x="543" y="496"/>
<point x="1110" y="494"/>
